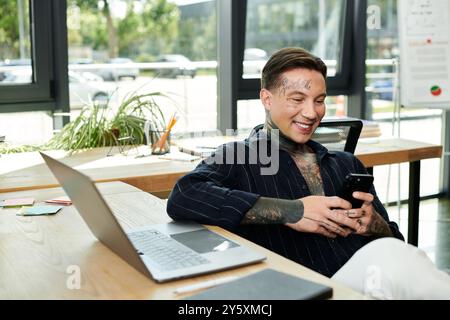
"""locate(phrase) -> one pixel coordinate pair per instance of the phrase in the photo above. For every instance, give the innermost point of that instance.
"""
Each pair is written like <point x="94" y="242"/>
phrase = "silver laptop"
<point x="162" y="252"/>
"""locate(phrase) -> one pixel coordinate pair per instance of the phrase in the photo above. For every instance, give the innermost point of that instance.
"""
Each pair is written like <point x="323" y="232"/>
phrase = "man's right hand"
<point x="319" y="217"/>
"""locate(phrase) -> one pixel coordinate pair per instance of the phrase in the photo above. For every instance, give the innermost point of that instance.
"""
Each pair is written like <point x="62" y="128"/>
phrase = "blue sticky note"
<point x="40" y="210"/>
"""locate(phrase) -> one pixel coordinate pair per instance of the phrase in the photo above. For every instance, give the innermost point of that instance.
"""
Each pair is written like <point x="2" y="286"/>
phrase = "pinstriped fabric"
<point x="221" y="194"/>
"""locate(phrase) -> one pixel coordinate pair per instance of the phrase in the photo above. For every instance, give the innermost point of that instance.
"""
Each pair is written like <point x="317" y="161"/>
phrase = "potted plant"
<point x="102" y="125"/>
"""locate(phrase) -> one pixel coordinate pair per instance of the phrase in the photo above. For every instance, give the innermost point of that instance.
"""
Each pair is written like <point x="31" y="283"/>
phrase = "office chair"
<point x="347" y="130"/>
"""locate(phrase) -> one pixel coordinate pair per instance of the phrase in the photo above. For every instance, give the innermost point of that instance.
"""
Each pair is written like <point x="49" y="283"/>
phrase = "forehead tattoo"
<point x="295" y="85"/>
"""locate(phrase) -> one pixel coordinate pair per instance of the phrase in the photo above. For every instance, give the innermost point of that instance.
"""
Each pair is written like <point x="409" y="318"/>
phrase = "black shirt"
<point x="221" y="194"/>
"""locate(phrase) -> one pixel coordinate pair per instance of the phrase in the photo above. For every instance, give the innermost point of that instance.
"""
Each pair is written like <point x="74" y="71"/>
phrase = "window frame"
<point x="233" y="87"/>
<point x="337" y="84"/>
<point x="49" y="90"/>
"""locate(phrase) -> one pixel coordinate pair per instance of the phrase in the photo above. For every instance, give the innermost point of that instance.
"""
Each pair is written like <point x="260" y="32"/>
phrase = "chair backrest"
<point x="338" y="130"/>
<point x="349" y="129"/>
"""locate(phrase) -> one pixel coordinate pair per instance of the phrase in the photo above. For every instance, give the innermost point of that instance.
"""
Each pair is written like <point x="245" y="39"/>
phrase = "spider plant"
<point x="100" y="125"/>
<point x="6" y="148"/>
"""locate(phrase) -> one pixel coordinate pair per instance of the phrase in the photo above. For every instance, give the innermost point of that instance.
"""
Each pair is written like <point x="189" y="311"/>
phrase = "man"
<point x="293" y="211"/>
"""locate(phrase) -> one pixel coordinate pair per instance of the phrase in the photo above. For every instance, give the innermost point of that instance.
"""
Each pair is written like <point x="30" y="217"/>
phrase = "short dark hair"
<point x="287" y="59"/>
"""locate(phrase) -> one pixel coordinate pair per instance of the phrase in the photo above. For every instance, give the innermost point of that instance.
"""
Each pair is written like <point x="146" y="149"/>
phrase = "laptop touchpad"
<point x="203" y="241"/>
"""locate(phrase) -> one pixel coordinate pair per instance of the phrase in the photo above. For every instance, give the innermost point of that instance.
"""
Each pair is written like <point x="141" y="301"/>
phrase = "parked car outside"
<point x="17" y="62"/>
<point x="81" y="90"/>
<point x="177" y="65"/>
<point x="25" y="63"/>
<point x="81" y="61"/>
<point x="254" y="61"/>
<point x="90" y="76"/>
<point x="117" y="69"/>
<point x="382" y="89"/>
<point x="120" y="68"/>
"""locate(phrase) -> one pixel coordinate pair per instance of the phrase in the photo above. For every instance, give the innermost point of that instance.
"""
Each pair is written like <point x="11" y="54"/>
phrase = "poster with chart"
<point x="424" y="34"/>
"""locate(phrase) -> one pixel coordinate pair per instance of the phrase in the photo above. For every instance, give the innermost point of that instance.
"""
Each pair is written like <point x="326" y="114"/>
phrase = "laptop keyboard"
<point x="167" y="253"/>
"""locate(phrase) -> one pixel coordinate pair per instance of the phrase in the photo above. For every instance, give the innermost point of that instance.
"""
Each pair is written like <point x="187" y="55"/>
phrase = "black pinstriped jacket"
<point x="221" y="194"/>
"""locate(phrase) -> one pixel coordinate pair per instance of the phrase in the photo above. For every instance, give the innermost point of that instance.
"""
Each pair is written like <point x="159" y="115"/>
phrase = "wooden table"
<point x="382" y="152"/>
<point x="27" y="170"/>
<point x="39" y="255"/>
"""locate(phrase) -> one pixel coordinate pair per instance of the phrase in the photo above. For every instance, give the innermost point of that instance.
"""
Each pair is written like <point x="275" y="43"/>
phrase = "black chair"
<point x="346" y="129"/>
<point x="350" y="130"/>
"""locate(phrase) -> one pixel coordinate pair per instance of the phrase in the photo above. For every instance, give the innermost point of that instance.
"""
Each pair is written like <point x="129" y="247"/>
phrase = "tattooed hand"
<point x="320" y="217"/>
<point x="313" y="214"/>
<point x="370" y="222"/>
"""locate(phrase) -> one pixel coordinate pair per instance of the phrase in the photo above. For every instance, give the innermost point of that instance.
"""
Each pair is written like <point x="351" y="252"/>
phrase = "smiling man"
<point x="295" y="211"/>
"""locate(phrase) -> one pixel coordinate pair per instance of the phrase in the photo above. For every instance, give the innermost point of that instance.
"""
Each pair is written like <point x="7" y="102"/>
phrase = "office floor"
<point x="434" y="229"/>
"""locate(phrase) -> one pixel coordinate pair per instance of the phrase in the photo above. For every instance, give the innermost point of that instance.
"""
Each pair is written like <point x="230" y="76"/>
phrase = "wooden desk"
<point x="375" y="152"/>
<point x="37" y="253"/>
<point x="397" y="151"/>
<point x="27" y="170"/>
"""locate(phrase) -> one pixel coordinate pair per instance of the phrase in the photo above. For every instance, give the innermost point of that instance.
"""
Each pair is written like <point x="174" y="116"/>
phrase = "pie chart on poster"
<point x="436" y="91"/>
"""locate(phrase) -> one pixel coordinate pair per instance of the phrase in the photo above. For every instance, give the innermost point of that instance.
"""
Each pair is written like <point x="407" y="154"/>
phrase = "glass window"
<point x="26" y="128"/>
<point x="15" y="44"/>
<point x="117" y="48"/>
<point x="311" y="24"/>
<point x="381" y="79"/>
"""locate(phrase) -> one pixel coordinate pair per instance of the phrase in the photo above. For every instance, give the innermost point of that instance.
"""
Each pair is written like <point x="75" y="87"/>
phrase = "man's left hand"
<point x="371" y="223"/>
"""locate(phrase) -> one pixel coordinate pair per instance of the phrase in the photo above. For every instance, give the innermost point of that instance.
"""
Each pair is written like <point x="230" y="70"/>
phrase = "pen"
<point x="204" y="285"/>
<point x="160" y="143"/>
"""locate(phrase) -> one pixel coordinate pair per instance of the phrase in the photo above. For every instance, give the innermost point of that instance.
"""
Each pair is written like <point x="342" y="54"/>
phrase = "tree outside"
<point x="14" y="30"/>
<point x="123" y="28"/>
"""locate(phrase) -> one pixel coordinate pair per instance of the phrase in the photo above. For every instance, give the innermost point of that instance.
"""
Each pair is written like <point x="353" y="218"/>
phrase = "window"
<point x="322" y="27"/>
<point x="120" y="47"/>
<point x="311" y="24"/>
<point x="26" y="66"/>
<point x="15" y="53"/>
<point x="32" y="58"/>
<point x="381" y="77"/>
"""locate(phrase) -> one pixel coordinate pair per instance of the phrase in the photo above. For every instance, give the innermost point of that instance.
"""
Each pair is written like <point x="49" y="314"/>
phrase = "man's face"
<point x="298" y="105"/>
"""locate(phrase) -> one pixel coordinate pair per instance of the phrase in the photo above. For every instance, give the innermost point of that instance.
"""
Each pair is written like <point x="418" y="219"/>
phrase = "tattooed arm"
<point x="274" y="211"/>
<point x="310" y="214"/>
<point x="371" y="223"/>
<point x="378" y="227"/>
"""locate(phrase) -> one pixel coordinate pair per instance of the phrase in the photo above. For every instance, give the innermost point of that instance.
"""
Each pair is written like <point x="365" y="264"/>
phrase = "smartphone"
<point x="355" y="182"/>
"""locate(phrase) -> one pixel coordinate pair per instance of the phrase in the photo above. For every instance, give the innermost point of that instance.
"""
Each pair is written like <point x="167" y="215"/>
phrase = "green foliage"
<point x="144" y="57"/>
<point x="198" y="38"/>
<point x="92" y="31"/>
<point x="9" y="29"/>
<point x="100" y="126"/>
<point x="5" y="148"/>
<point x="152" y="30"/>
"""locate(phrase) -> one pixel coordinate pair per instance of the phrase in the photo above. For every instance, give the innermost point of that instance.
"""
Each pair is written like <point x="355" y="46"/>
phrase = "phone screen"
<point x="355" y="182"/>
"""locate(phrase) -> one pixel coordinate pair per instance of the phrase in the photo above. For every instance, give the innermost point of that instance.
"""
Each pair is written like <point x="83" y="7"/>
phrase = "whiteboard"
<point x="424" y="35"/>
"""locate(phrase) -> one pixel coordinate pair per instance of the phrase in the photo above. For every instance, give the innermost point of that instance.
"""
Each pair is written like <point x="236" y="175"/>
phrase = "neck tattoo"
<point x="303" y="156"/>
